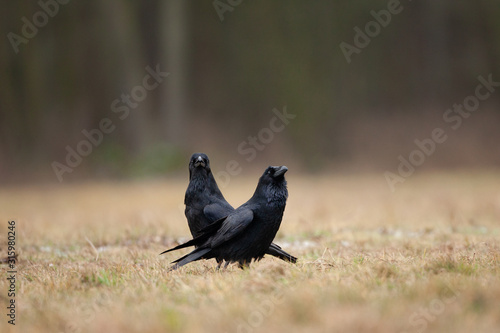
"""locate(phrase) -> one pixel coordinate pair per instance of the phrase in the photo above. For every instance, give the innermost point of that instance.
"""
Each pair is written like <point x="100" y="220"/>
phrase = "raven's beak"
<point x="280" y="171"/>
<point x="199" y="161"/>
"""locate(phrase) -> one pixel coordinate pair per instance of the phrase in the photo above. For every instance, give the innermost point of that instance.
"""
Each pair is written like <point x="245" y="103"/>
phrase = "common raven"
<point x="205" y="203"/>
<point x="247" y="232"/>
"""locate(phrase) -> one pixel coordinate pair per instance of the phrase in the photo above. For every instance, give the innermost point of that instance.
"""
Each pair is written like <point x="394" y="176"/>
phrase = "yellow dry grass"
<point x="422" y="259"/>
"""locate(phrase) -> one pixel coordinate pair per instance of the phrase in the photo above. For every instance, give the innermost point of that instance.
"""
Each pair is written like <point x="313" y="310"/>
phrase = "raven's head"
<point x="275" y="173"/>
<point x="199" y="163"/>
<point x="273" y="184"/>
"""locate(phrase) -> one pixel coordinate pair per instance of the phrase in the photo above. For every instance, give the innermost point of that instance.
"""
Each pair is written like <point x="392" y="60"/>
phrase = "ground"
<point x="422" y="259"/>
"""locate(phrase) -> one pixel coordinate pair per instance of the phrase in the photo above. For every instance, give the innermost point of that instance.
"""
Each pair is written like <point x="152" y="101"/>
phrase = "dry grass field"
<point x="422" y="259"/>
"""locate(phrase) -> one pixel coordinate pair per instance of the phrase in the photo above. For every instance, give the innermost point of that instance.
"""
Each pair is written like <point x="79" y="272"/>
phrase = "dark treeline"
<point x="82" y="59"/>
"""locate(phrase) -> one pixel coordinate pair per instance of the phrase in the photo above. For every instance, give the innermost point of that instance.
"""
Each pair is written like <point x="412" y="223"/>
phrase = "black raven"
<point x="247" y="232"/>
<point x="205" y="203"/>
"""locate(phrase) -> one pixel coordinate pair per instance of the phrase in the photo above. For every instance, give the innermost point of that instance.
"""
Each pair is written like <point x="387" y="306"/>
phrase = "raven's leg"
<point x="243" y="264"/>
<point x="226" y="264"/>
<point x="219" y="263"/>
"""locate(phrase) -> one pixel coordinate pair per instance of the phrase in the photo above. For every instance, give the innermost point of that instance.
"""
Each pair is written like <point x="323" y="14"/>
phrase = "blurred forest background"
<point x="227" y="75"/>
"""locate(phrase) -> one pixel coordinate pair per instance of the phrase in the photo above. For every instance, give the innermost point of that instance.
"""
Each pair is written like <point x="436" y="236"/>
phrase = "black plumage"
<point x="205" y="203"/>
<point x="247" y="232"/>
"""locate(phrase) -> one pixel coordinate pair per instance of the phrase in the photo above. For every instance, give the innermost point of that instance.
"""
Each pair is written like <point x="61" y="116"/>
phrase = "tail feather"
<point x="205" y="234"/>
<point x="196" y="254"/>
<point x="277" y="252"/>
<point x="192" y="242"/>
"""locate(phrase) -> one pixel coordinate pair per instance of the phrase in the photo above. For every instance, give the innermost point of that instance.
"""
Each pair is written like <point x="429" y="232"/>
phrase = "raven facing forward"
<point x="247" y="232"/>
<point x="205" y="203"/>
